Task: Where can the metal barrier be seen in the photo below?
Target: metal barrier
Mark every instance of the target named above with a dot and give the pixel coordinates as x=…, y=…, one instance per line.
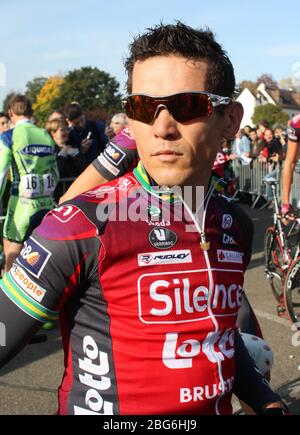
x=250, y=180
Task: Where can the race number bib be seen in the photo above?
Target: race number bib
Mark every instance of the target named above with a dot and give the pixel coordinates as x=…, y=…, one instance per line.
x=30, y=186
x=33, y=185
x=49, y=185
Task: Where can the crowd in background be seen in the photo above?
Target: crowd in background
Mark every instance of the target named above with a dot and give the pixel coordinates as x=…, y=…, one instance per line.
x=78, y=140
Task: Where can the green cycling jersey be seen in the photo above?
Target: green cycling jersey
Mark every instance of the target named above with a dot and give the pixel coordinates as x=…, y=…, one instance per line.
x=29, y=152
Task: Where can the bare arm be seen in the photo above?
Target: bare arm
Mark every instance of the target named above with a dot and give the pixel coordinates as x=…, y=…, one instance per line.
x=289, y=166
x=87, y=180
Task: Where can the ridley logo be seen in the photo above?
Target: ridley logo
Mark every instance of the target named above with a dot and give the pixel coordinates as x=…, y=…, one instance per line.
x=171, y=257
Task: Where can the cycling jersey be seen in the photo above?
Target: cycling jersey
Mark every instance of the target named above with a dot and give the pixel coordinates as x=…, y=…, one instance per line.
x=293, y=129
x=29, y=153
x=148, y=310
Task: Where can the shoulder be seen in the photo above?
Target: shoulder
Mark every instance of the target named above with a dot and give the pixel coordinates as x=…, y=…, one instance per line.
x=244, y=222
x=6, y=138
x=294, y=129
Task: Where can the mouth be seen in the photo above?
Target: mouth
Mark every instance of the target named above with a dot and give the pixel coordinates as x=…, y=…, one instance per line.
x=166, y=153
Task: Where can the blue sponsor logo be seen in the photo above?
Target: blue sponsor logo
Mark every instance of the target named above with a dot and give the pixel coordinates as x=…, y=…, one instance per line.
x=33, y=257
x=38, y=150
x=114, y=154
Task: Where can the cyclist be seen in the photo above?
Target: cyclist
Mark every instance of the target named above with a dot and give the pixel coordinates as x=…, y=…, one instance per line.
x=149, y=309
x=29, y=153
x=292, y=156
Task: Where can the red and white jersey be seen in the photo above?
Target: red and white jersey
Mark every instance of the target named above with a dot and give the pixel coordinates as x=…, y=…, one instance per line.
x=148, y=317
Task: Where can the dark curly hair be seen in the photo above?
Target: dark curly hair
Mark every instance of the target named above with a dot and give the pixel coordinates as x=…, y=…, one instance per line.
x=180, y=39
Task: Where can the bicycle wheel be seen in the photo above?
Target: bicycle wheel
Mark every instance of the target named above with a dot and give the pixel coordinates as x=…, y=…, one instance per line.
x=274, y=262
x=292, y=291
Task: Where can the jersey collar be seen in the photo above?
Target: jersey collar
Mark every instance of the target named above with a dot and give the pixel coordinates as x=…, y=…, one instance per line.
x=163, y=192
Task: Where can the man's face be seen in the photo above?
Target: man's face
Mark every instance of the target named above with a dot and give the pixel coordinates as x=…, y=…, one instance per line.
x=4, y=124
x=175, y=153
x=78, y=123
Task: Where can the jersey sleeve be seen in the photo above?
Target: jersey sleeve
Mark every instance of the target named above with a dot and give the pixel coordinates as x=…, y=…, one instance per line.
x=5, y=159
x=293, y=129
x=60, y=257
x=120, y=156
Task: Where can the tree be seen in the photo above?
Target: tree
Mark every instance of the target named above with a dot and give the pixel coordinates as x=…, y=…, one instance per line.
x=33, y=88
x=47, y=98
x=247, y=84
x=290, y=83
x=94, y=89
x=268, y=80
x=271, y=113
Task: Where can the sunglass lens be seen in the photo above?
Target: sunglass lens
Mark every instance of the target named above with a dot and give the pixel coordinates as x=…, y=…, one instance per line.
x=141, y=108
x=191, y=106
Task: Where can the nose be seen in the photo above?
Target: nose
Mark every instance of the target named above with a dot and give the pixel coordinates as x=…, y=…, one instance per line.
x=165, y=126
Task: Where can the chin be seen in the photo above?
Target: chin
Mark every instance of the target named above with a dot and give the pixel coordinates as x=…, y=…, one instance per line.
x=171, y=179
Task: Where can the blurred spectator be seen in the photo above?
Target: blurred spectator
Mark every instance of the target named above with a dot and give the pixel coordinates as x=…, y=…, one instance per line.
x=70, y=161
x=247, y=130
x=118, y=122
x=55, y=115
x=4, y=122
x=256, y=144
x=262, y=127
x=241, y=148
x=281, y=135
x=87, y=136
x=272, y=151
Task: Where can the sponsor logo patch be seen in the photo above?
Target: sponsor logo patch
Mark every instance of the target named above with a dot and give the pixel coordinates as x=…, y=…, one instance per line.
x=227, y=221
x=114, y=154
x=33, y=257
x=228, y=239
x=230, y=257
x=38, y=150
x=179, y=297
x=162, y=223
x=103, y=161
x=162, y=238
x=65, y=213
x=170, y=257
x=25, y=283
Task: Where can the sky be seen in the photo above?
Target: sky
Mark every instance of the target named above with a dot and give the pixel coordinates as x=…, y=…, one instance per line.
x=48, y=38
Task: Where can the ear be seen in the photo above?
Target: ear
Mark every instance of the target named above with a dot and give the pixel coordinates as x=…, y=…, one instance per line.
x=130, y=125
x=233, y=118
